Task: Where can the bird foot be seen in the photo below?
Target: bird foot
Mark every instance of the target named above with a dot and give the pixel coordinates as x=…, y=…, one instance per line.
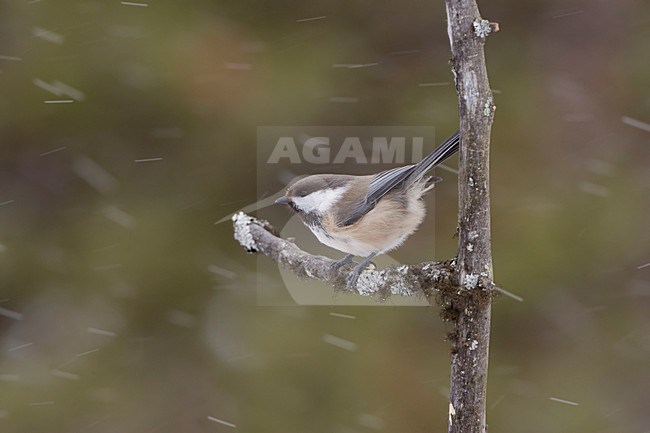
x=342, y=262
x=353, y=277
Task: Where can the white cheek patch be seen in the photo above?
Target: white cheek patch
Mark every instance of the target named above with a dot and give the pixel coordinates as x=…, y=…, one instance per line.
x=319, y=202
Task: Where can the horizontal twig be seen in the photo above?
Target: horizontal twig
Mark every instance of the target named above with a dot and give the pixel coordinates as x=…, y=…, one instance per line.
x=258, y=236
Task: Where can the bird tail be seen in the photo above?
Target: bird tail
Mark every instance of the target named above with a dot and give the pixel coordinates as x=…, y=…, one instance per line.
x=442, y=152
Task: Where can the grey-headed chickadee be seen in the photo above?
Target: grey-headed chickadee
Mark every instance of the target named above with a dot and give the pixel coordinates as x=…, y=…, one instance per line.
x=366, y=215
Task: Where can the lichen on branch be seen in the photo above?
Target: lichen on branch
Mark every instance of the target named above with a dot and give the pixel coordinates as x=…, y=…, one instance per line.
x=423, y=279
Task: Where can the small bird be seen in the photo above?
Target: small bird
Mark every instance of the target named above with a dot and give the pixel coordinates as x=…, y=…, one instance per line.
x=366, y=215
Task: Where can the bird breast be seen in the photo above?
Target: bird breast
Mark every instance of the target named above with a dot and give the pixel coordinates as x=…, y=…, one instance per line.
x=384, y=228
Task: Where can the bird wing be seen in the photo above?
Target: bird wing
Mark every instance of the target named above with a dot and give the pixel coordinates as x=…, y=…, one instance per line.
x=386, y=181
x=380, y=185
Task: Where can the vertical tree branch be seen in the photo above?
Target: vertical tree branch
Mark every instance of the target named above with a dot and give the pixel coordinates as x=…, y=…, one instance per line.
x=472, y=303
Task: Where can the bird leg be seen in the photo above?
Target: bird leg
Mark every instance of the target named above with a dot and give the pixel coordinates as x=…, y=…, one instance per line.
x=342, y=262
x=356, y=272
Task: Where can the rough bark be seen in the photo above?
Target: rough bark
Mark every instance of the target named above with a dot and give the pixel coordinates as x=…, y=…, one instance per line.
x=469, y=309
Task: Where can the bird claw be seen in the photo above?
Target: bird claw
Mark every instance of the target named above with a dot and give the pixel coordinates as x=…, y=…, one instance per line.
x=342, y=262
x=353, y=278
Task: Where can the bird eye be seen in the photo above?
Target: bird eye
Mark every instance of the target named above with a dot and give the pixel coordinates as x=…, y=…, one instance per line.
x=302, y=194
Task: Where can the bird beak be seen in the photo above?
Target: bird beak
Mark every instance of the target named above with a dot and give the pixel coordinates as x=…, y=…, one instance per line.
x=282, y=200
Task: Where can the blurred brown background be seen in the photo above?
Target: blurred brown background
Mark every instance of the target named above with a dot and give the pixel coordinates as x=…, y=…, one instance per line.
x=126, y=131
